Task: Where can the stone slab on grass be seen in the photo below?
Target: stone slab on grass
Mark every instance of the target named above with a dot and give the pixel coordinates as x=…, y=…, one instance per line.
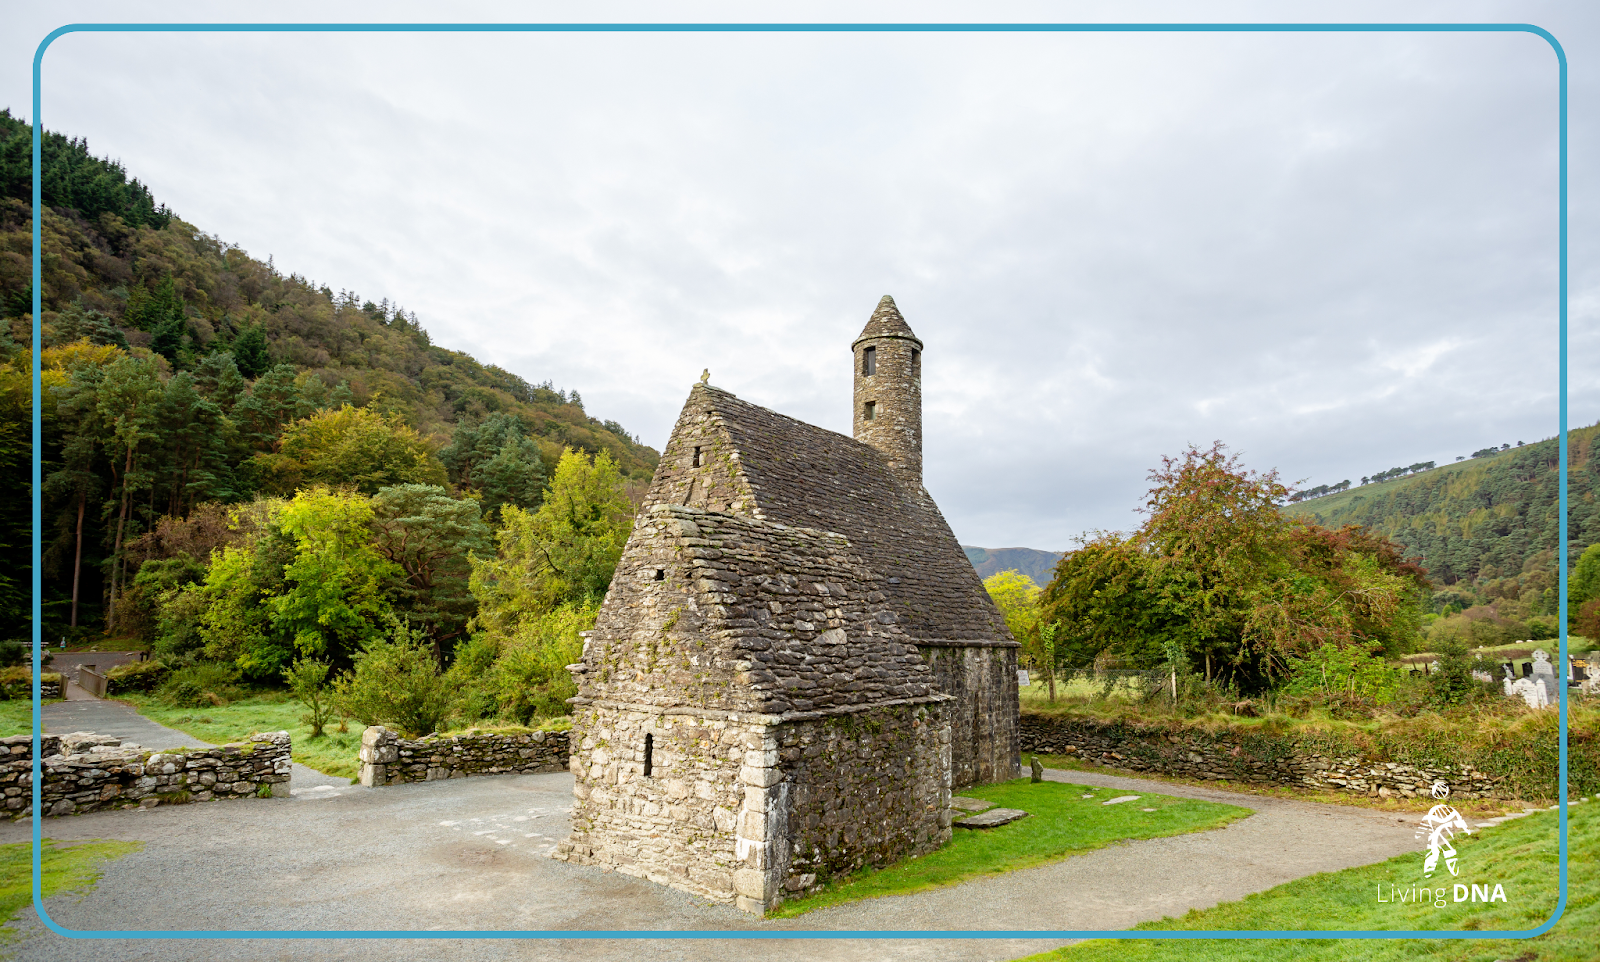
x=1121, y=798
x=970, y=804
x=991, y=818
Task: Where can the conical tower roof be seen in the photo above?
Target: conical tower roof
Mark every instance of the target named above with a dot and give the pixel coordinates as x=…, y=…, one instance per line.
x=886, y=322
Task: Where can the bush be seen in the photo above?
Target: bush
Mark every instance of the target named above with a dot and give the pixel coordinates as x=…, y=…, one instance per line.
x=397, y=683
x=17, y=681
x=308, y=680
x=521, y=674
x=207, y=683
x=143, y=676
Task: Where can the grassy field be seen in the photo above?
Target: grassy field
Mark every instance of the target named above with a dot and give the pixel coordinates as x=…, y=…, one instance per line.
x=1519, y=855
x=65, y=867
x=332, y=754
x=16, y=716
x=1063, y=820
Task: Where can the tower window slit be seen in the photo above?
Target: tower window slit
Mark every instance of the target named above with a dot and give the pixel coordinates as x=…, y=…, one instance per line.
x=869, y=410
x=696, y=462
x=649, y=750
x=916, y=362
x=661, y=575
x=869, y=361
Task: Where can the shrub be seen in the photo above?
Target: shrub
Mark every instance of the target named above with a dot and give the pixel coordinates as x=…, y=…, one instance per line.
x=145, y=676
x=396, y=682
x=207, y=683
x=308, y=680
x=17, y=681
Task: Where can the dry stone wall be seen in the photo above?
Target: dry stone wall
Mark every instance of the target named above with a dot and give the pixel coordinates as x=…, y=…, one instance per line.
x=85, y=772
x=749, y=809
x=388, y=759
x=1265, y=759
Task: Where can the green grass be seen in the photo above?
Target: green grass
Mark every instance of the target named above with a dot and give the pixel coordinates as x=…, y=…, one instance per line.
x=1061, y=822
x=1520, y=855
x=332, y=754
x=16, y=716
x=65, y=867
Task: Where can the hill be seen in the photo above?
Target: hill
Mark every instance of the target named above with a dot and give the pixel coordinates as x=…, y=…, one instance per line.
x=1473, y=522
x=1038, y=565
x=219, y=353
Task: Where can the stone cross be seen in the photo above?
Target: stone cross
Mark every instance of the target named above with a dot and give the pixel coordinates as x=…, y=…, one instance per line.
x=1544, y=674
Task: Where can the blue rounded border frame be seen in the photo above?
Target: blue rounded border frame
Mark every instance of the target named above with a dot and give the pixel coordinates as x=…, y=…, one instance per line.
x=38, y=129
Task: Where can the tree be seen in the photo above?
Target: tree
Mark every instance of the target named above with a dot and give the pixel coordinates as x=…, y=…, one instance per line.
x=1017, y=597
x=514, y=476
x=1584, y=581
x=250, y=351
x=565, y=552
x=334, y=597
x=355, y=447
x=1217, y=575
x=128, y=399
x=430, y=537
x=397, y=682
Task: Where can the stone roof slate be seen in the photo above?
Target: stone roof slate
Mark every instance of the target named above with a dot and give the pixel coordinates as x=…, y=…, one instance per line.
x=805, y=476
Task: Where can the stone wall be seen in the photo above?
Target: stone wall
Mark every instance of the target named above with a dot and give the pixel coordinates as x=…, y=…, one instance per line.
x=857, y=791
x=749, y=809
x=84, y=772
x=983, y=722
x=677, y=824
x=1253, y=757
x=388, y=759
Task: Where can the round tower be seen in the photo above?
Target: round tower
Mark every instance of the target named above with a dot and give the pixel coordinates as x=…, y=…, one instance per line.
x=888, y=390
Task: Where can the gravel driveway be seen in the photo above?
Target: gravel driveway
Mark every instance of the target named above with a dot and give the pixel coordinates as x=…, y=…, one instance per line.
x=470, y=854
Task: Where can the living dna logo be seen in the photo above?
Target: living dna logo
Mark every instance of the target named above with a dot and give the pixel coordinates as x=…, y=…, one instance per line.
x=1439, y=826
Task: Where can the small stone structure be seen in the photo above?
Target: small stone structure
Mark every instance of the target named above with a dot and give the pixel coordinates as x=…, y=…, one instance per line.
x=85, y=772
x=1159, y=753
x=388, y=759
x=796, y=661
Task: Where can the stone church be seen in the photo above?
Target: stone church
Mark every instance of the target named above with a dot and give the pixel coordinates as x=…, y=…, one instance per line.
x=796, y=662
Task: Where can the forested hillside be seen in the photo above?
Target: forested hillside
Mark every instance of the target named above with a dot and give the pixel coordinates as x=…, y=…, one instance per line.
x=181, y=372
x=1480, y=525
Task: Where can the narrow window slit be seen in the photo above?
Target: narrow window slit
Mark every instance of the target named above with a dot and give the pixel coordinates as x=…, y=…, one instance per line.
x=649, y=750
x=869, y=361
x=869, y=411
x=696, y=462
x=661, y=575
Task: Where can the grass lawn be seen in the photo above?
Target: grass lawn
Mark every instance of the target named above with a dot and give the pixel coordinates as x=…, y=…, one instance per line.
x=332, y=754
x=1063, y=820
x=1519, y=855
x=16, y=716
x=66, y=867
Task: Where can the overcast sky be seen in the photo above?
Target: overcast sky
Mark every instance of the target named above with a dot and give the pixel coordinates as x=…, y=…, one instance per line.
x=1336, y=253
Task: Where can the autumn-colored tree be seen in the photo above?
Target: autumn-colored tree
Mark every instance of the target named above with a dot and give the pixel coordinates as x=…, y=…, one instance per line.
x=353, y=447
x=1218, y=577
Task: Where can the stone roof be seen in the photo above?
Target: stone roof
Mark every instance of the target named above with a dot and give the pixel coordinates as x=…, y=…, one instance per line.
x=761, y=464
x=886, y=321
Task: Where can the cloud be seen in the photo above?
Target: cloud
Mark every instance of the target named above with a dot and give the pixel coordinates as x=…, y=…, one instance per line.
x=1332, y=252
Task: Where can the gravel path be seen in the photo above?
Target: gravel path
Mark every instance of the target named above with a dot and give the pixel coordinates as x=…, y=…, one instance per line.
x=471, y=854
